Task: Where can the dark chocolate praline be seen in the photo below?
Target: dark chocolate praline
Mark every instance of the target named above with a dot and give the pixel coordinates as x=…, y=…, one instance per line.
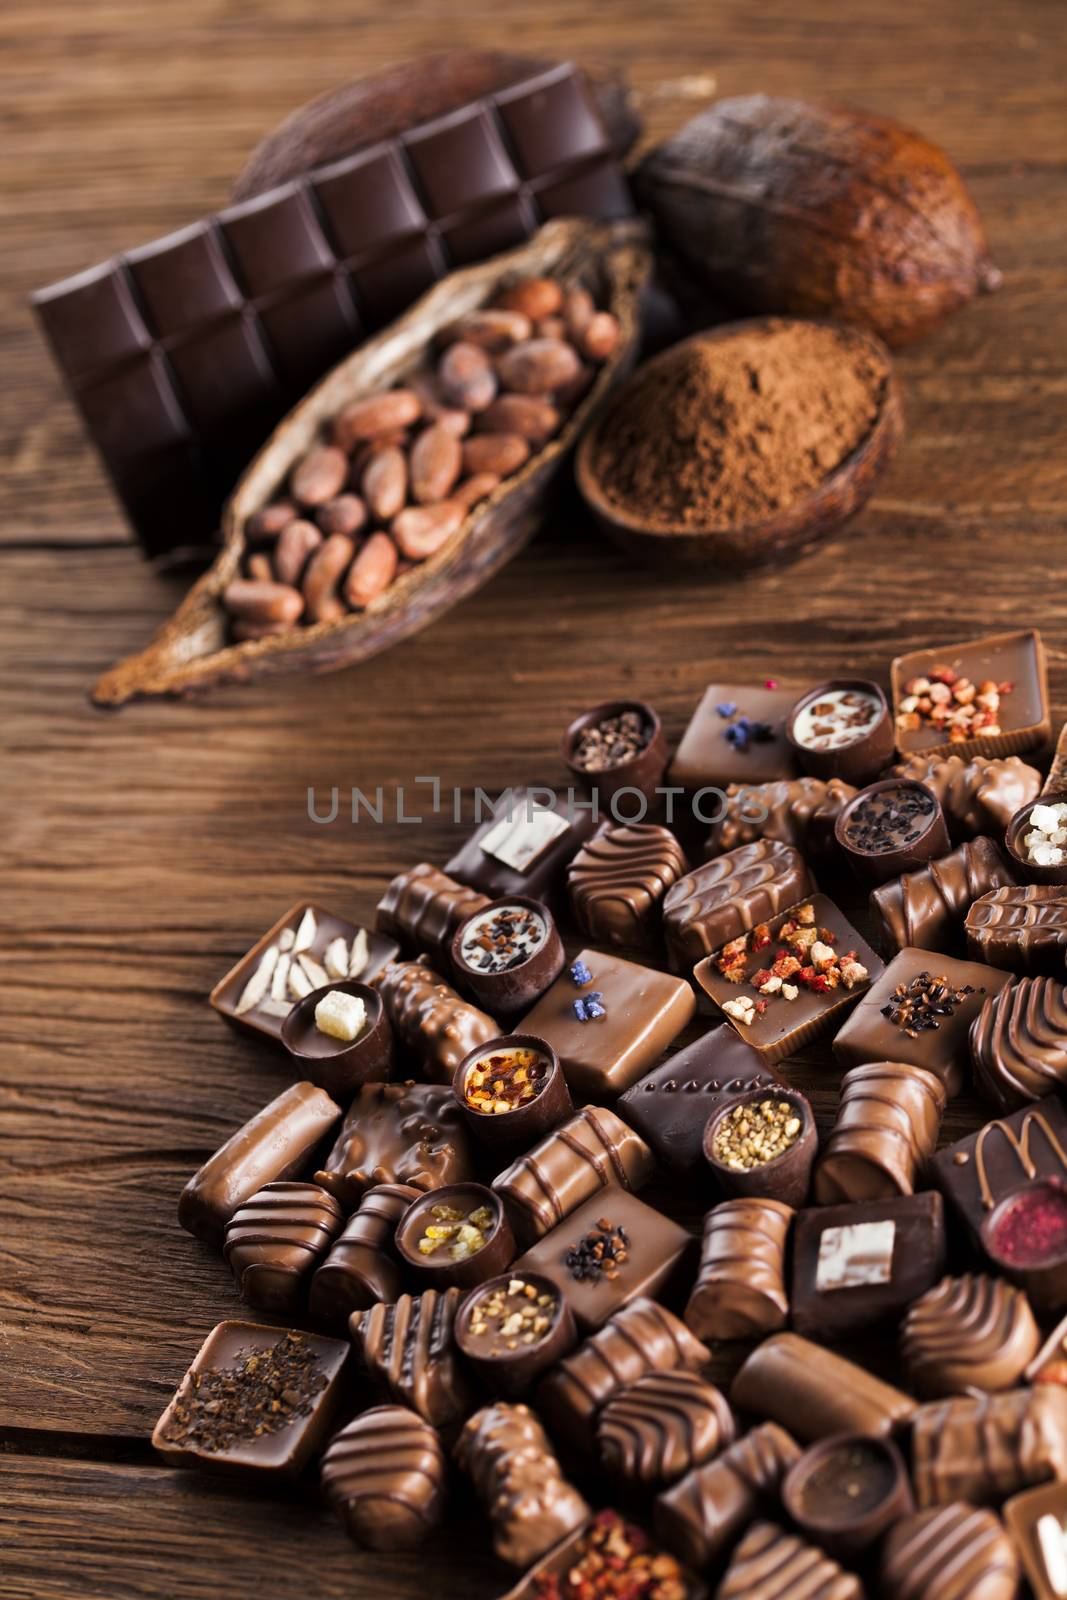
x=520, y=1128
x=1031, y=871
x=642, y=771
x=1025, y=1237
x=883, y=838
x=429, y=1272
x=845, y=1491
x=511, y=1372
x=507, y=990
x=786, y=1177
x=335, y=1065
x=863, y=757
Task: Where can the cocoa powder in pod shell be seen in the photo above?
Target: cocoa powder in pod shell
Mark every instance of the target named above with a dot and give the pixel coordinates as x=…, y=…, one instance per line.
x=786, y=206
x=193, y=651
x=384, y=104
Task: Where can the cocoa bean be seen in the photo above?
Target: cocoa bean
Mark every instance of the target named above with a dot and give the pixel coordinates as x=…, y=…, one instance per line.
x=268, y=521
x=258, y=630
x=499, y=453
x=295, y=544
x=578, y=310
x=320, y=476
x=529, y=415
x=346, y=514
x=258, y=567
x=534, y=297
x=325, y=571
x=466, y=378
x=396, y=438
x=551, y=328
x=421, y=530
x=372, y=571
x=599, y=337
x=377, y=414
x=569, y=394
x=435, y=461
x=385, y=483
x=474, y=488
x=489, y=330
x=434, y=409
x=252, y=601
x=538, y=367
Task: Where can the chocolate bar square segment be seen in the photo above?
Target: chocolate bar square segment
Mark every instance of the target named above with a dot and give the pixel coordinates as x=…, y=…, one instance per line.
x=977, y=1172
x=276, y=240
x=312, y=330
x=777, y=1018
x=855, y=1266
x=460, y=160
x=225, y=1415
x=613, y=1249
x=135, y=412
x=92, y=320
x=735, y=735
x=386, y=285
x=1012, y=663
x=551, y=121
x=304, y=947
x=1037, y=1521
x=368, y=201
x=599, y=191
x=523, y=847
x=185, y=279
x=729, y=896
x=670, y=1106
x=499, y=227
x=919, y=1011
x=608, y=1020
x=227, y=378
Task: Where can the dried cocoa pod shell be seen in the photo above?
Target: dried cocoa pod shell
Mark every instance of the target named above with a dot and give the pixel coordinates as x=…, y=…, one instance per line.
x=791, y=207
x=194, y=650
x=386, y=103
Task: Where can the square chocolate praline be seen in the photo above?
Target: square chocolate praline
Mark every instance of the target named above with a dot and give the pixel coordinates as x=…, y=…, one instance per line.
x=977, y=1172
x=1015, y=658
x=644, y=1011
x=671, y=1105
x=868, y=1035
x=656, y=1248
x=284, y=1453
x=706, y=757
x=840, y=1283
x=1022, y=1514
x=786, y=1025
x=226, y=994
x=524, y=847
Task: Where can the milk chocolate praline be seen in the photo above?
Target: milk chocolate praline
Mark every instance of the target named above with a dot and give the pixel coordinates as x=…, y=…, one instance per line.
x=506, y=992
x=786, y=1177
x=1013, y=843
x=493, y=1257
x=869, y=1480
x=335, y=1066
x=511, y=1372
x=863, y=757
x=516, y=1129
x=879, y=866
x=642, y=771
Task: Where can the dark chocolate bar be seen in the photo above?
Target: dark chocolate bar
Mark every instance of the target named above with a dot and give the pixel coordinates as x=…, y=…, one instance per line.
x=182, y=355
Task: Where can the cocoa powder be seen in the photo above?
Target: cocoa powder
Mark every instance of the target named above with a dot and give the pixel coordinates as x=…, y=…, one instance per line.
x=732, y=430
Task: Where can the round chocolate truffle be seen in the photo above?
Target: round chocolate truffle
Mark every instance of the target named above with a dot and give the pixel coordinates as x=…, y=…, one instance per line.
x=384, y=1475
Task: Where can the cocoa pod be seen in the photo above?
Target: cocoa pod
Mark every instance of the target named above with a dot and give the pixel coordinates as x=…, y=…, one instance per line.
x=529, y=415
x=386, y=103
x=539, y=366
x=251, y=601
x=346, y=514
x=534, y=297
x=372, y=571
x=259, y=567
x=421, y=530
x=599, y=337
x=498, y=453
x=268, y=521
x=489, y=330
x=474, y=488
x=785, y=206
x=296, y=543
x=435, y=462
x=320, y=476
x=325, y=571
x=385, y=483
x=466, y=378
x=377, y=414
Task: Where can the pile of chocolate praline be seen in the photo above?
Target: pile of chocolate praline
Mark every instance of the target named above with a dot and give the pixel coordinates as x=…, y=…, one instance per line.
x=448, y=1199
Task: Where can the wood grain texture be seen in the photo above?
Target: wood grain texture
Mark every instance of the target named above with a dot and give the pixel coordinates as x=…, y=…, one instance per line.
x=141, y=854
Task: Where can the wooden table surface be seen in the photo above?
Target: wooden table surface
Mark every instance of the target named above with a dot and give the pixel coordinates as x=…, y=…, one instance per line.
x=143, y=852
